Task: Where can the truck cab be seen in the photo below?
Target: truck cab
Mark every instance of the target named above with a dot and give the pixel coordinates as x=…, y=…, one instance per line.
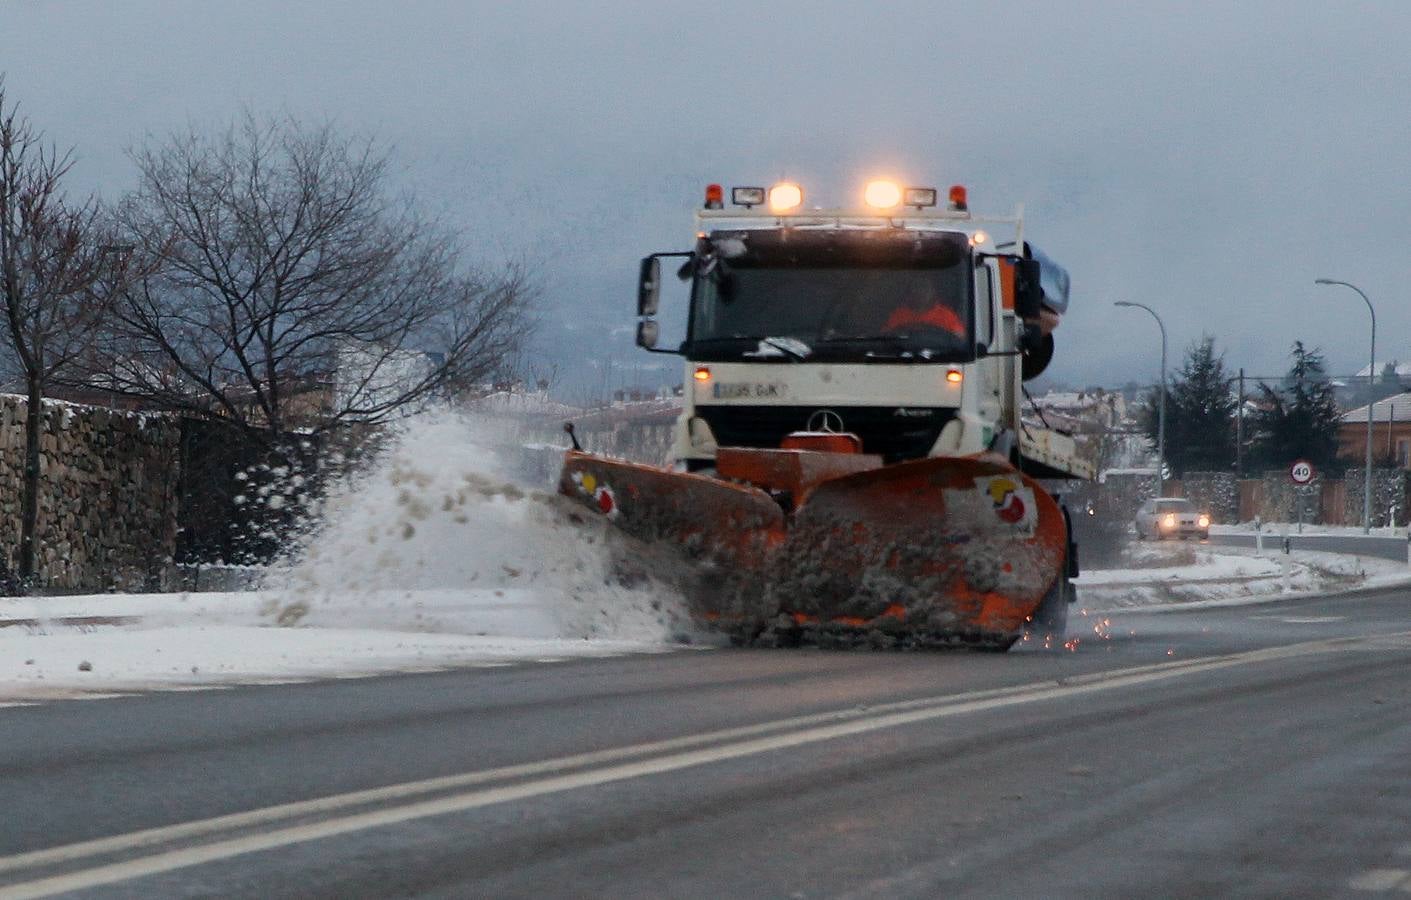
x=904, y=326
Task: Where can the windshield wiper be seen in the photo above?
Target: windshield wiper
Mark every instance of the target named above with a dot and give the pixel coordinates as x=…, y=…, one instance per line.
x=794, y=348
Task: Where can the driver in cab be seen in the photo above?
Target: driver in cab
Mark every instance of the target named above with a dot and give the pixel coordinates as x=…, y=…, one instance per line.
x=923, y=308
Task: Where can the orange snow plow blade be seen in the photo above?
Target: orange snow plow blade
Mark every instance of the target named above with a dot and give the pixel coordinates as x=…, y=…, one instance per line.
x=941, y=550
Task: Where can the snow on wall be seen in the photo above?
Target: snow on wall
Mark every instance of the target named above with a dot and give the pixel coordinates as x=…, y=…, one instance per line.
x=1390, y=488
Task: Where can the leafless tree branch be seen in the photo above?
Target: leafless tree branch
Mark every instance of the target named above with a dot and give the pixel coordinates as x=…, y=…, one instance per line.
x=289, y=290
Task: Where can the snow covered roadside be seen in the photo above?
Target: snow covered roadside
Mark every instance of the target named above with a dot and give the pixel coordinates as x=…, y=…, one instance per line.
x=434, y=560
x=1164, y=575
x=1276, y=530
x=186, y=640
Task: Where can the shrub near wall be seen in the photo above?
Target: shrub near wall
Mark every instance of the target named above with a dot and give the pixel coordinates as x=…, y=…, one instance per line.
x=107, y=501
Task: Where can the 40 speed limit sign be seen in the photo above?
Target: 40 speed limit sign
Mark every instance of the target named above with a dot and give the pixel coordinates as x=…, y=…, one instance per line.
x=1301, y=471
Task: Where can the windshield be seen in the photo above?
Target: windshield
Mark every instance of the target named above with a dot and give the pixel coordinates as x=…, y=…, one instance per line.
x=1175, y=506
x=867, y=308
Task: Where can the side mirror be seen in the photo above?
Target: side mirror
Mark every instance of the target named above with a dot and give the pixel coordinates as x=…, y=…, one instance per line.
x=1028, y=293
x=649, y=289
x=647, y=334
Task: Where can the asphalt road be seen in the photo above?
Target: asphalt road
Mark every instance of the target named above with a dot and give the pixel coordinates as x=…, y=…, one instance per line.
x=1253, y=751
x=1383, y=546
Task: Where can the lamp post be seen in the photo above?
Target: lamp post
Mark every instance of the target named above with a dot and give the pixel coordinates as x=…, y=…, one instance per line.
x=1161, y=403
x=1371, y=373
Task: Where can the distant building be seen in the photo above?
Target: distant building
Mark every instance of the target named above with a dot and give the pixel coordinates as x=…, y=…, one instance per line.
x=1391, y=432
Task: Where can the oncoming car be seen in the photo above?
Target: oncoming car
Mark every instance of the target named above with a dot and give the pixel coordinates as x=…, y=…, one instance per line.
x=1171, y=517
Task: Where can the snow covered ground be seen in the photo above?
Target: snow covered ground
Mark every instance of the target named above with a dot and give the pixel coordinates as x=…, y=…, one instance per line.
x=1277, y=529
x=1169, y=574
x=433, y=560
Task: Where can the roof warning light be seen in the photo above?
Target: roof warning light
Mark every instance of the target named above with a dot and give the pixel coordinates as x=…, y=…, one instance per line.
x=785, y=196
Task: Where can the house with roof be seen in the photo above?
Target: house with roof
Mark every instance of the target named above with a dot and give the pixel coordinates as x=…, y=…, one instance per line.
x=1391, y=432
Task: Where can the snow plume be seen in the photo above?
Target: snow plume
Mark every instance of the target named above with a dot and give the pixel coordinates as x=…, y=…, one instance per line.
x=438, y=537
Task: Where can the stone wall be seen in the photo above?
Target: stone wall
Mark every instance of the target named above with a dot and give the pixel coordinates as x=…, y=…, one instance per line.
x=1389, y=488
x=1280, y=500
x=107, y=502
x=1217, y=492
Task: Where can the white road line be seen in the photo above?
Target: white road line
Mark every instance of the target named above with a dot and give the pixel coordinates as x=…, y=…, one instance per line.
x=1379, y=880
x=731, y=744
x=272, y=814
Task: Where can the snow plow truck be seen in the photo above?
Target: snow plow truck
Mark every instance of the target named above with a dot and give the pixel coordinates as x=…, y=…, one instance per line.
x=851, y=462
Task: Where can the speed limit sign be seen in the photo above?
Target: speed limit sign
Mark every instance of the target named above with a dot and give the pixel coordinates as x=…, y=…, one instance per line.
x=1301, y=471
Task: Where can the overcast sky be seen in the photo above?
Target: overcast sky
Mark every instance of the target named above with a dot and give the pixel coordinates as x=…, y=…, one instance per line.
x=1209, y=160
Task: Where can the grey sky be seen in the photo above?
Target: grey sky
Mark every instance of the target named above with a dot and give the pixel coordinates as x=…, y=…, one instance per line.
x=1209, y=160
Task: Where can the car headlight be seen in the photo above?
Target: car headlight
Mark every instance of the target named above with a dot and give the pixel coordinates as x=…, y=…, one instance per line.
x=1204, y=521
x=1168, y=522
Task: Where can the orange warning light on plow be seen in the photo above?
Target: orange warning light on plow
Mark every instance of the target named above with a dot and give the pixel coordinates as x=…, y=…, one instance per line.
x=702, y=374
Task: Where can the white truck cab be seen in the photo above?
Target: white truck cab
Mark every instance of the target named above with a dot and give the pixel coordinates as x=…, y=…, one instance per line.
x=903, y=324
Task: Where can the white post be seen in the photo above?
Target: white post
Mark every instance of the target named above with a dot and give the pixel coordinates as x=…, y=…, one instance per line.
x=1287, y=587
x=1258, y=536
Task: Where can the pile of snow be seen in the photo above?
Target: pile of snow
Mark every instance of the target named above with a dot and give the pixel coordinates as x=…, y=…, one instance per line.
x=439, y=538
x=434, y=558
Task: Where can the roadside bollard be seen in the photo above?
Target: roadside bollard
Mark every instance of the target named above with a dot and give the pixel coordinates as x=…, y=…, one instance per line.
x=1258, y=536
x=1287, y=587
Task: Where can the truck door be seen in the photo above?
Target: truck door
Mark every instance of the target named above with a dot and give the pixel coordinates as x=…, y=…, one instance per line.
x=990, y=399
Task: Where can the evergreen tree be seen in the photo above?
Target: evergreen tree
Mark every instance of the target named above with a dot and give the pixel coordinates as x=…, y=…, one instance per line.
x=1200, y=413
x=1298, y=420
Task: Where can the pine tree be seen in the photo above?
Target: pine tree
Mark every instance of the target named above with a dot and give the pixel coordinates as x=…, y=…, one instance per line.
x=1299, y=420
x=1200, y=411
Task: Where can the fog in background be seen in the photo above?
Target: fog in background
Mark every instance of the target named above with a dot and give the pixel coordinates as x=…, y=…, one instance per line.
x=1209, y=160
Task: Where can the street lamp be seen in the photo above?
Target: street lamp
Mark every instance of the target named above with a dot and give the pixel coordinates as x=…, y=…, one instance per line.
x=1371, y=373
x=1161, y=403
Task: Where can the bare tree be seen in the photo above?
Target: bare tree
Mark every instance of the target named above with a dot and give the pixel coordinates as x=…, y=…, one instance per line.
x=292, y=290
x=58, y=274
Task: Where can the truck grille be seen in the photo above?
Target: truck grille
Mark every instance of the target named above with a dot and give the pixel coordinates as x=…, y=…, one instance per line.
x=896, y=433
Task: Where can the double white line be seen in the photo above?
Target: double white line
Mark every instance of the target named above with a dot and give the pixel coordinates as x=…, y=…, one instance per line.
x=157, y=850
